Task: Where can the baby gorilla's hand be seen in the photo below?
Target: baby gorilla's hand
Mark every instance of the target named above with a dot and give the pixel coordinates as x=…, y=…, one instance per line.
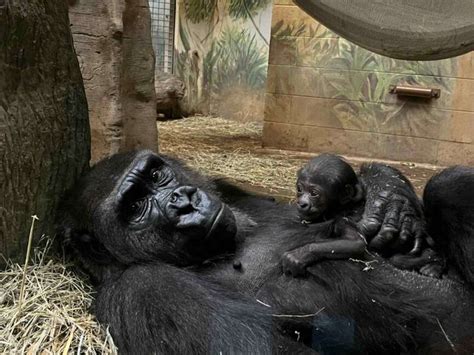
x=294, y=262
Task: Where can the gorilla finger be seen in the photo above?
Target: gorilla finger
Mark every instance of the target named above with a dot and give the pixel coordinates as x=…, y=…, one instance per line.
x=430, y=241
x=406, y=230
x=369, y=226
x=419, y=233
x=382, y=239
x=373, y=215
x=417, y=245
x=392, y=216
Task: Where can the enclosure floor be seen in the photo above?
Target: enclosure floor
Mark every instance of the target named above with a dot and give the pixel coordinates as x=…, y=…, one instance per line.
x=233, y=149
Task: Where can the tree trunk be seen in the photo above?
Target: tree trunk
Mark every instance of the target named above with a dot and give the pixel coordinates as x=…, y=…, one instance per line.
x=44, y=130
x=113, y=43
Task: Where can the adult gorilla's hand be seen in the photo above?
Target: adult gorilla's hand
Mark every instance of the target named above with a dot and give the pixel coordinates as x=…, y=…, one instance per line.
x=393, y=216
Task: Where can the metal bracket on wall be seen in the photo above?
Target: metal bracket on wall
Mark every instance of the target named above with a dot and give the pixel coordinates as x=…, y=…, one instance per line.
x=414, y=91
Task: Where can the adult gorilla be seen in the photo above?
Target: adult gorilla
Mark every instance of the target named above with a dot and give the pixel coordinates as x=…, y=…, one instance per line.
x=180, y=270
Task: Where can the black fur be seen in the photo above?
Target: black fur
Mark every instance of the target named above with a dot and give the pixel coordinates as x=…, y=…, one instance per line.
x=449, y=206
x=157, y=298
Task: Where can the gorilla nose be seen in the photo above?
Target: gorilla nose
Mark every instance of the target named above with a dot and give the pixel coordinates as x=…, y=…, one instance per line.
x=182, y=197
x=303, y=206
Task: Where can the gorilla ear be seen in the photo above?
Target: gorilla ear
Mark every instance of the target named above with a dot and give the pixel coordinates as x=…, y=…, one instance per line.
x=346, y=195
x=88, y=246
x=351, y=193
x=93, y=255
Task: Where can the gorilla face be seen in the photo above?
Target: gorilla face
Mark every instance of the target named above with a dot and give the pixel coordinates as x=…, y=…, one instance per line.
x=311, y=200
x=150, y=195
x=154, y=210
x=324, y=185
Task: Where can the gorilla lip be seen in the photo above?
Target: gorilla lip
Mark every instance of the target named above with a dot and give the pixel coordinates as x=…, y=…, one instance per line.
x=195, y=215
x=215, y=222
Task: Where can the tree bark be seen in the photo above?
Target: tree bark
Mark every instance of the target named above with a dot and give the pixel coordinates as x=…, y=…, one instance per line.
x=113, y=43
x=44, y=130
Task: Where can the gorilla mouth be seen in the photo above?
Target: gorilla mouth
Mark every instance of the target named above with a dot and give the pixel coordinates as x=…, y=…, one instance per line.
x=311, y=217
x=216, y=221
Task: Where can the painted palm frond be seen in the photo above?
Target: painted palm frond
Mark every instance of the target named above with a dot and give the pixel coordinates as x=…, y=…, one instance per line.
x=199, y=10
x=236, y=59
x=283, y=30
x=246, y=8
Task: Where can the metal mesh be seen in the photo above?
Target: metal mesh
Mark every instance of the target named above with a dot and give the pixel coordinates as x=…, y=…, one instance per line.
x=162, y=32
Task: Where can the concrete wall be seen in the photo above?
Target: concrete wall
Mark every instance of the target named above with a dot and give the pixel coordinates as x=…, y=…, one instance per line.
x=325, y=94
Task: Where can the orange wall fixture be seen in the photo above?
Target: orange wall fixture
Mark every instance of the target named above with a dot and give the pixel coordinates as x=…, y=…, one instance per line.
x=325, y=94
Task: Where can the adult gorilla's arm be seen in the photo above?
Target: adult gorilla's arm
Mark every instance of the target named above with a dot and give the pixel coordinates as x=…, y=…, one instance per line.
x=393, y=213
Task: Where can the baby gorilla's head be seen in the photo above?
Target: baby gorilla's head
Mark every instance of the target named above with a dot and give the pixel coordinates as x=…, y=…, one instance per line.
x=324, y=186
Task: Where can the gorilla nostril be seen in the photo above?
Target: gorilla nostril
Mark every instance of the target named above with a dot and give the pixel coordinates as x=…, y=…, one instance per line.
x=182, y=198
x=303, y=206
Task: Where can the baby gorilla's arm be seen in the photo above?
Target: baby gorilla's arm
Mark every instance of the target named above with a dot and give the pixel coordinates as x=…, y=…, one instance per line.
x=349, y=243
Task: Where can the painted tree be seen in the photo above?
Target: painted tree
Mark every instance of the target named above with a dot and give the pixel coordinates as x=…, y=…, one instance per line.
x=44, y=130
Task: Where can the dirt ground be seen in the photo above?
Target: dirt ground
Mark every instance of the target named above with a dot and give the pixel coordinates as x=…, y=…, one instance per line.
x=233, y=149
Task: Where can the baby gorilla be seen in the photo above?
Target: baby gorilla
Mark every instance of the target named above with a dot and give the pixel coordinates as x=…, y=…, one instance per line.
x=329, y=190
x=327, y=187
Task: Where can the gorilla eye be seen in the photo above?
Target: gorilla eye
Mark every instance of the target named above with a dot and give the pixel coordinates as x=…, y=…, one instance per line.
x=155, y=176
x=136, y=208
x=314, y=193
x=160, y=176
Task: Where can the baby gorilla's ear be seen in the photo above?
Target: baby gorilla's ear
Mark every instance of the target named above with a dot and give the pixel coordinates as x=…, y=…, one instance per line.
x=351, y=193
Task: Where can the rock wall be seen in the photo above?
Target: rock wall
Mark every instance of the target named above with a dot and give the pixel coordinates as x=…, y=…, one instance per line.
x=113, y=44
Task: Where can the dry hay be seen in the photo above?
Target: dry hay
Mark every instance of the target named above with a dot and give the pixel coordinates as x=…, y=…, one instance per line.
x=221, y=147
x=52, y=317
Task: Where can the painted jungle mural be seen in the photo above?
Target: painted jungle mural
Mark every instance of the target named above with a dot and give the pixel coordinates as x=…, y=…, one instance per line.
x=326, y=94
x=222, y=55
x=360, y=79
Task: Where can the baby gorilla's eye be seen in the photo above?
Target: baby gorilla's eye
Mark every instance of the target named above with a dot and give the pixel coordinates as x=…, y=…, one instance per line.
x=314, y=193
